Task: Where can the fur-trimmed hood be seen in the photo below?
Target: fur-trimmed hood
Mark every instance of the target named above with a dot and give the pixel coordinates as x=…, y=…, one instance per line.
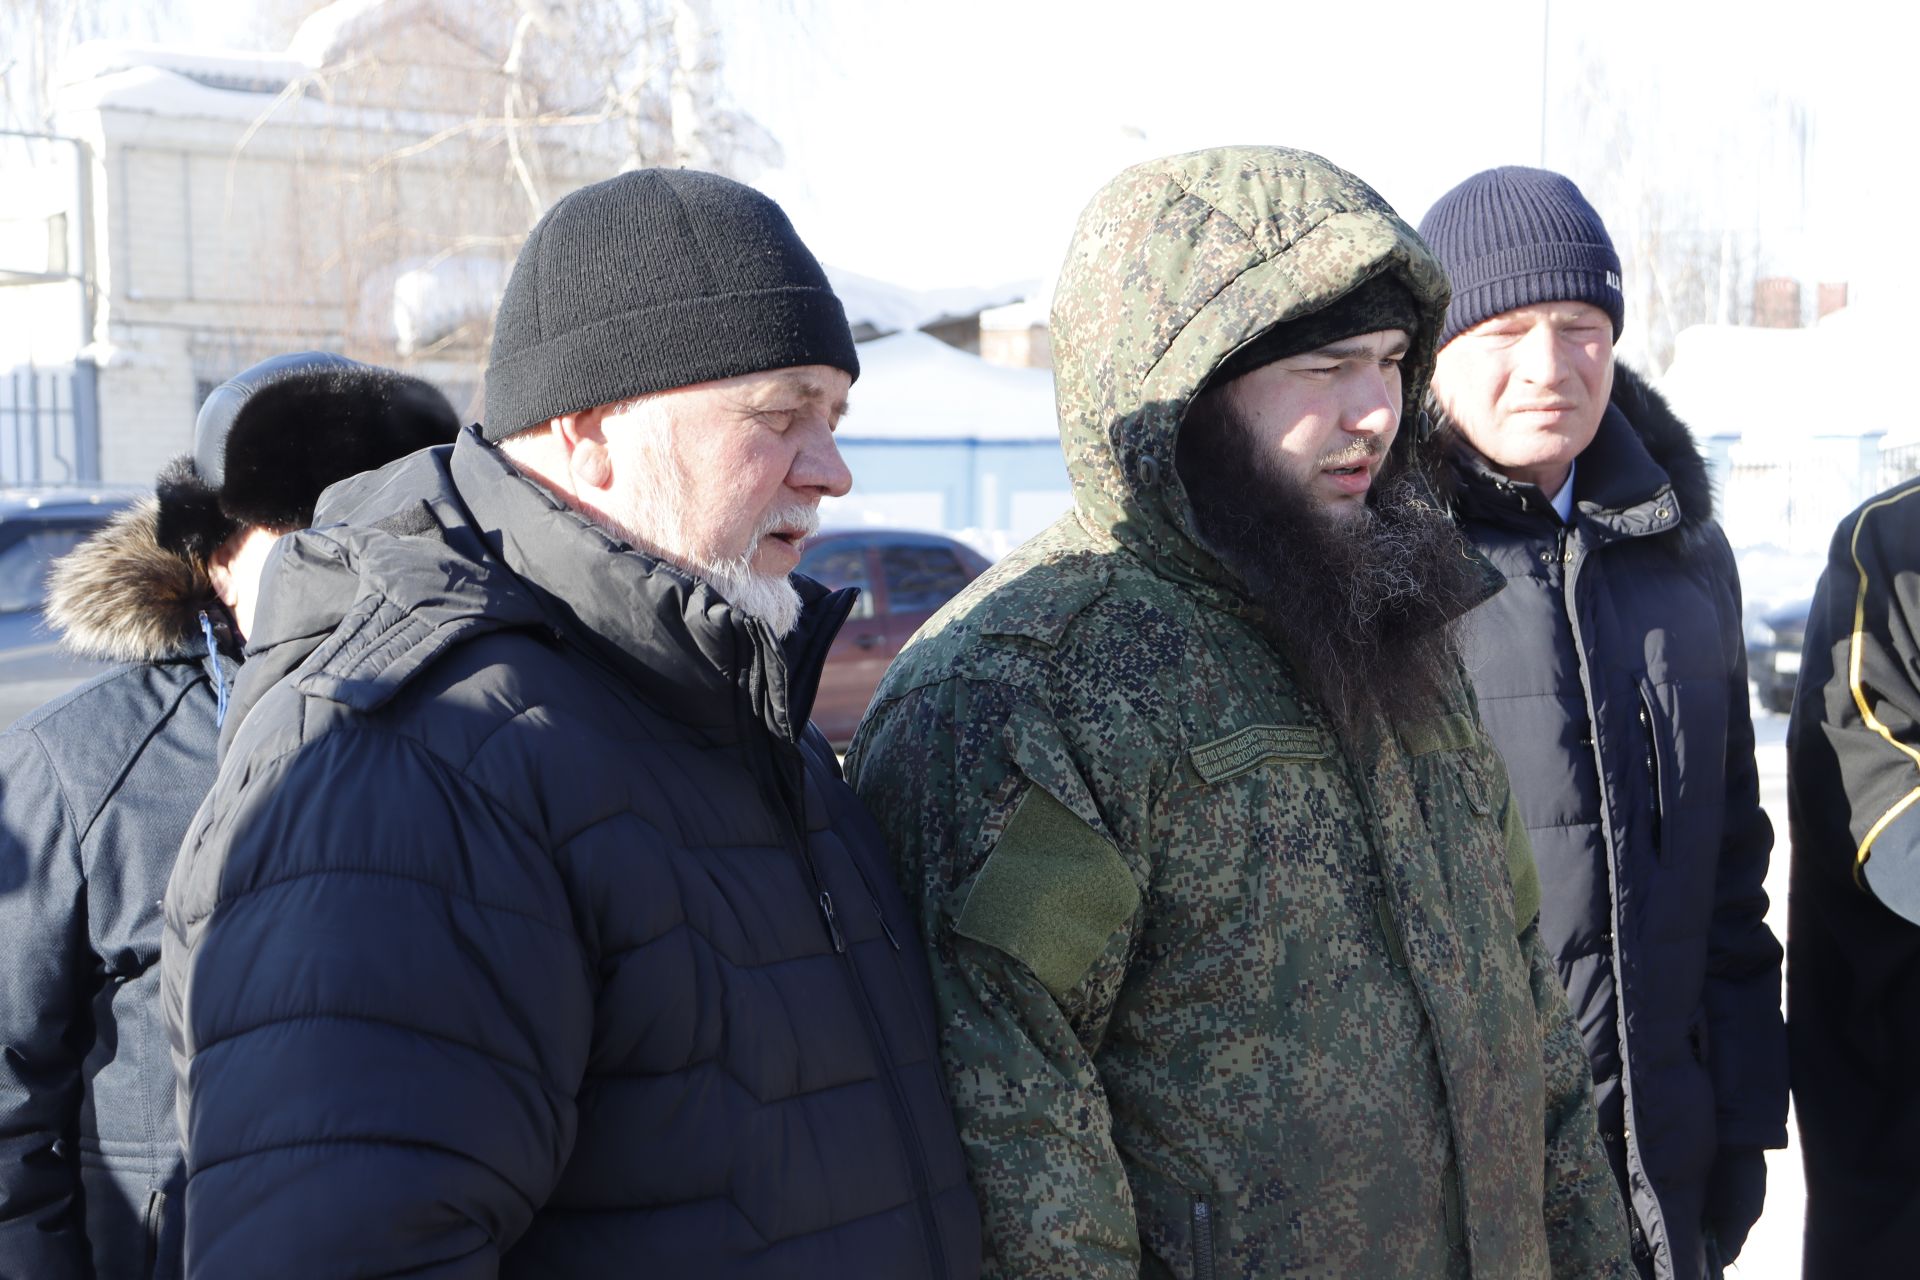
x=1664, y=444
x=122, y=597
x=1668, y=441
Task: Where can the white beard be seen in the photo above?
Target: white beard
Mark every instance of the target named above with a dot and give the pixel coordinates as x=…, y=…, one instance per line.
x=768, y=597
x=650, y=517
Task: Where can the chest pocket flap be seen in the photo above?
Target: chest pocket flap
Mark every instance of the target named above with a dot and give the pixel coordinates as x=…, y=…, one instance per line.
x=1054, y=889
x=1457, y=732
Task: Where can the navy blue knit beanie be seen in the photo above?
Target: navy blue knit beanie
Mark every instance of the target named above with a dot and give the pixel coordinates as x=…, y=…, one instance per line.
x=1514, y=236
x=656, y=279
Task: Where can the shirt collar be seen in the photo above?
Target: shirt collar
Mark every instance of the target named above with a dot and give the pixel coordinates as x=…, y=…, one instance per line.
x=1563, y=500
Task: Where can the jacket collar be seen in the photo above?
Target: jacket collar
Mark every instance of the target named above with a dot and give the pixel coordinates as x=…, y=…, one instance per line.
x=667, y=632
x=451, y=543
x=1641, y=476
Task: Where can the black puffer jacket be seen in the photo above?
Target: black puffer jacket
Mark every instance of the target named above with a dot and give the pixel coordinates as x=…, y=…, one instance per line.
x=1853, y=936
x=529, y=930
x=1612, y=675
x=96, y=790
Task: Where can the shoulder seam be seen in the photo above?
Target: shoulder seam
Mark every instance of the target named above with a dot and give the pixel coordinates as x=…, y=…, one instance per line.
x=66, y=806
x=146, y=739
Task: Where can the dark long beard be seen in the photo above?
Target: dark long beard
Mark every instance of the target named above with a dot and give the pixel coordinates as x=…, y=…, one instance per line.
x=1364, y=606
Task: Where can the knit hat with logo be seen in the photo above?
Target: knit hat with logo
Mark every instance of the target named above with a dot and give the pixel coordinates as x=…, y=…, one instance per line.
x=1514, y=236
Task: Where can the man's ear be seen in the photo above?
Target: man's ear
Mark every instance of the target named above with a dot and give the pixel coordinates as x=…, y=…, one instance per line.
x=220, y=569
x=582, y=440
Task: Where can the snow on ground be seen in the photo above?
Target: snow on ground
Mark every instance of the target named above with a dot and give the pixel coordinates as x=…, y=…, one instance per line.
x=892, y=308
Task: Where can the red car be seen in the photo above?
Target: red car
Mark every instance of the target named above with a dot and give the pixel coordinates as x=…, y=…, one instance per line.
x=903, y=576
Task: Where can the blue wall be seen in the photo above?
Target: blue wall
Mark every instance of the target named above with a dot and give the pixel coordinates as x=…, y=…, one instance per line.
x=977, y=478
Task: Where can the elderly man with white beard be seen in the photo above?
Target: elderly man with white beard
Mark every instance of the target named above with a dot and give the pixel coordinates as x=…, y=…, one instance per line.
x=529, y=928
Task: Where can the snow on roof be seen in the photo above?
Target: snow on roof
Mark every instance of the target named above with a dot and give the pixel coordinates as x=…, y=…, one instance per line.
x=158, y=91
x=434, y=297
x=149, y=87
x=890, y=308
x=230, y=69
x=915, y=387
x=329, y=34
x=236, y=84
x=1015, y=316
x=1775, y=386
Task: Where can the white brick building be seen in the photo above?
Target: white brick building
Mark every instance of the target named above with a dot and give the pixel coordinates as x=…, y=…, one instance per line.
x=199, y=211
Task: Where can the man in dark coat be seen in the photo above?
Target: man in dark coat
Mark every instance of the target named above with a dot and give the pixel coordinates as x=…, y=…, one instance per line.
x=1612, y=675
x=529, y=928
x=98, y=786
x=1853, y=937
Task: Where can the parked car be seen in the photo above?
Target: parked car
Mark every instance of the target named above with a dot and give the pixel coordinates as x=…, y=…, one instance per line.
x=36, y=527
x=1773, y=654
x=903, y=576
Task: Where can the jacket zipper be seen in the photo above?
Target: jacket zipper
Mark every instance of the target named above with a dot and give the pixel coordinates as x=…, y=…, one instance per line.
x=876, y=1038
x=1202, y=1239
x=874, y=899
x=903, y=1115
x=1570, y=600
x=768, y=764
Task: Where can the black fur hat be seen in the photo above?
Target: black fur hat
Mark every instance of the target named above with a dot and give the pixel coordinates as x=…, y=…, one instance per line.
x=270, y=440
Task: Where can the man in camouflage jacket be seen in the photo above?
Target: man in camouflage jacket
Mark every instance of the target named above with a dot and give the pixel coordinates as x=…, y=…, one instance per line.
x=1238, y=970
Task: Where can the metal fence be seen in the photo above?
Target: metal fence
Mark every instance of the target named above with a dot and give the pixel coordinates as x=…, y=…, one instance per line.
x=49, y=425
x=1899, y=464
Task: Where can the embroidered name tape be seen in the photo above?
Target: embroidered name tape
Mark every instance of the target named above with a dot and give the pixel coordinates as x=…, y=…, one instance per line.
x=1255, y=745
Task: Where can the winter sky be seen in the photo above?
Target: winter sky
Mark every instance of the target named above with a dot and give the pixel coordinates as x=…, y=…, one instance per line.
x=938, y=144
x=954, y=143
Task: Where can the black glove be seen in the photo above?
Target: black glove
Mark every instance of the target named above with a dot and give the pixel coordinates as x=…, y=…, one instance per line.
x=1736, y=1191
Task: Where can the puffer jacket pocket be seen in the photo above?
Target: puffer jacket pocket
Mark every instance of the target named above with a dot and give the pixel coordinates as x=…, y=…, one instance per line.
x=1656, y=750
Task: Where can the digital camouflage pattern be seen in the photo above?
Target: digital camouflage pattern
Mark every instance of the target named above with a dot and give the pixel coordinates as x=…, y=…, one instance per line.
x=1222, y=994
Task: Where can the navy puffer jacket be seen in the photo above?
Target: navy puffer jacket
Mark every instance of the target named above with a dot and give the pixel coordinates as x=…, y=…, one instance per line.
x=1611, y=673
x=96, y=789
x=530, y=931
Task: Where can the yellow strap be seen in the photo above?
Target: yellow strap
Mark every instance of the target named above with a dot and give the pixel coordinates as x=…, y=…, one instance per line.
x=1854, y=649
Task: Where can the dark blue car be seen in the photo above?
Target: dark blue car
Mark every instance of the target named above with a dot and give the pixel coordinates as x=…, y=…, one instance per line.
x=1773, y=654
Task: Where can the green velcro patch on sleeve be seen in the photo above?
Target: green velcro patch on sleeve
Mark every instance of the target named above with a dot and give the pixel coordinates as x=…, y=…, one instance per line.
x=1452, y=732
x=1051, y=894
x=1520, y=868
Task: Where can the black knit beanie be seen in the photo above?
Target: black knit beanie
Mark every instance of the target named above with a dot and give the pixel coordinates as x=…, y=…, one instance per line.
x=656, y=279
x=1381, y=303
x=1515, y=236
x=269, y=440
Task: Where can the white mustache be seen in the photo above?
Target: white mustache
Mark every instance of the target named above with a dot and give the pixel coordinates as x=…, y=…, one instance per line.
x=800, y=518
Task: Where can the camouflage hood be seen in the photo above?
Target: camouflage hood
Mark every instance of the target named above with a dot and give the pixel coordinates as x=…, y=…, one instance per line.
x=1175, y=265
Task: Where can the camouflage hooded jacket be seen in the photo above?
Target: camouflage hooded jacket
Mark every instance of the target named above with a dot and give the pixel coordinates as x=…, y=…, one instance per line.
x=1221, y=992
